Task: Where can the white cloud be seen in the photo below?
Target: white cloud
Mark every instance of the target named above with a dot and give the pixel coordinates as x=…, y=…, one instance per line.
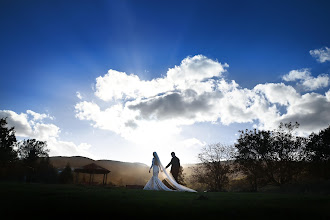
x=236, y=106
x=45, y=131
x=34, y=128
x=193, y=73
x=19, y=121
x=294, y=75
x=39, y=117
x=320, y=81
x=306, y=80
x=277, y=93
x=322, y=55
x=196, y=68
x=311, y=110
x=154, y=111
x=68, y=148
x=87, y=111
x=183, y=96
x=116, y=118
x=118, y=85
x=196, y=73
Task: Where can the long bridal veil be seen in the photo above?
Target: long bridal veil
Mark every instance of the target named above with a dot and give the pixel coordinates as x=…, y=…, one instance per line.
x=171, y=180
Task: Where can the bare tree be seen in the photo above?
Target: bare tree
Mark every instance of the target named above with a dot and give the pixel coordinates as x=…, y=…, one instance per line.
x=215, y=167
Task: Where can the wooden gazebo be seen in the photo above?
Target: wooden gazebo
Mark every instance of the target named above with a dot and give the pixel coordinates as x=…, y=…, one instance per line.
x=92, y=169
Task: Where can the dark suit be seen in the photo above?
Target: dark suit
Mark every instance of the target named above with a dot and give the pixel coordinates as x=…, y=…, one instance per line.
x=175, y=162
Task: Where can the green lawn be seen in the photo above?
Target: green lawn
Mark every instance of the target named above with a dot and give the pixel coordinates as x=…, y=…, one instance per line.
x=43, y=200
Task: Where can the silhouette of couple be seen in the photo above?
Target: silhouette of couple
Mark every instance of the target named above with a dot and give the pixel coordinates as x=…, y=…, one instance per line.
x=156, y=184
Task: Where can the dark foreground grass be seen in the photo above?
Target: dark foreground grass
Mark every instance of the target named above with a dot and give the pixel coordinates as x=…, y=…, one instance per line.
x=43, y=200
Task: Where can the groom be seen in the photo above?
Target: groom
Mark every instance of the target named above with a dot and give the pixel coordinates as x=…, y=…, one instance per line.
x=175, y=162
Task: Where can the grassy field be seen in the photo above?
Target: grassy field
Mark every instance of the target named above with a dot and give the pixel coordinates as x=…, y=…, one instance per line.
x=43, y=200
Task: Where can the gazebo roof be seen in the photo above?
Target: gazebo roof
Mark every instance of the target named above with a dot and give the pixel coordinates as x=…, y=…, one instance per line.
x=92, y=169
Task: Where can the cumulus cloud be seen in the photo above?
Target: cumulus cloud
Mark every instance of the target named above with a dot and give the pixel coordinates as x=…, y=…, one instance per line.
x=306, y=80
x=196, y=91
x=320, y=81
x=196, y=73
x=39, y=117
x=193, y=73
x=118, y=85
x=294, y=75
x=19, y=121
x=277, y=93
x=186, y=104
x=45, y=131
x=31, y=125
x=181, y=97
x=117, y=118
x=322, y=55
x=311, y=110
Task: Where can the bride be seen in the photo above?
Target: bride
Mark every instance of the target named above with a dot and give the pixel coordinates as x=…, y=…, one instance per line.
x=156, y=184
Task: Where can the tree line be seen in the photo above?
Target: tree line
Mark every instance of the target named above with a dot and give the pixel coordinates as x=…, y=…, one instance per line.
x=262, y=157
x=27, y=160
x=258, y=158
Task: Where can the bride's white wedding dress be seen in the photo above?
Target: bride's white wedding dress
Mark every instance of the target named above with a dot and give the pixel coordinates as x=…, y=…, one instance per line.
x=156, y=184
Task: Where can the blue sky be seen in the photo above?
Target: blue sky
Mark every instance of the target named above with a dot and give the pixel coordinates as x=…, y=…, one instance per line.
x=51, y=51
